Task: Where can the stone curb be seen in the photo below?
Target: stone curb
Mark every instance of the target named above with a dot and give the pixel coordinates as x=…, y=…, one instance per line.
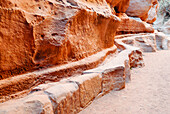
x=9, y=87
x=73, y=94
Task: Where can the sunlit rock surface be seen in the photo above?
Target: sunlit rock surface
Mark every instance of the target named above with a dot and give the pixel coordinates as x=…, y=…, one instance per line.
x=38, y=34
x=144, y=9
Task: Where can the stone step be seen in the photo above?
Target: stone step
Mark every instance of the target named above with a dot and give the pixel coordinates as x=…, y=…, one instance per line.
x=72, y=94
x=22, y=84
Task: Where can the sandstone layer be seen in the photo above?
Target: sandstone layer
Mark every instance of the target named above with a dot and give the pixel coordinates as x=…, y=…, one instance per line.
x=130, y=25
x=72, y=94
x=60, y=55
x=40, y=34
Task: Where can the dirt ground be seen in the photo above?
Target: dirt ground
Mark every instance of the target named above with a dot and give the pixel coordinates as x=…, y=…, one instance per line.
x=147, y=93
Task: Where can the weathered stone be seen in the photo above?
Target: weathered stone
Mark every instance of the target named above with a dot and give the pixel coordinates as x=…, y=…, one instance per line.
x=136, y=59
x=8, y=87
x=113, y=79
x=162, y=41
x=134, y=53
x=146, y=42
x=165, y=28
x=127, y=71
x=122, y=6
x=152, y=14
x=90, y=85
x=52, y=32
x=144, y=9
x=130, y=25
x=118, y=5
x=36, y=103
x=65, y=98
x=16, y=43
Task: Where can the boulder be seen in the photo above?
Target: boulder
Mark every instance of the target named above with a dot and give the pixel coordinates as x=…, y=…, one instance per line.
x=152, y=14
x=122, y=6
x=132, y=25
x=144, y=9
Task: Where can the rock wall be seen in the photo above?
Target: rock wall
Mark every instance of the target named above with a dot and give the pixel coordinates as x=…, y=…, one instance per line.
x=70, y=50
x=132, y=25
x=38, y=34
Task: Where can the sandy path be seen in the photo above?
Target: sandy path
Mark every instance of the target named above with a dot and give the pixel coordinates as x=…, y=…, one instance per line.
x=147, y=93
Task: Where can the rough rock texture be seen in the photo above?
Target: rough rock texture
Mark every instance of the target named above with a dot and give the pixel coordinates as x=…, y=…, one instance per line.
x=165, y=28
x=144, y=9
x=163, y=13
x=36, y=103
x=127, y=71
x=136, y=59
x=74, y=93
x=16, y=42
x=89, y=87
x=117, y=69
x=65, y=97
x=13, y=87
x=118, y=6
x=152, y=14
x=146, y=42
x=162, y=41
x=113, y=79
x=39, y=34
x=122, y=6
x=132, y=25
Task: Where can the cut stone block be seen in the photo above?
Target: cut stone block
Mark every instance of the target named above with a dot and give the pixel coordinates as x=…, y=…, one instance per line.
x=64, y=97
x=113, y=79
x=90, y=85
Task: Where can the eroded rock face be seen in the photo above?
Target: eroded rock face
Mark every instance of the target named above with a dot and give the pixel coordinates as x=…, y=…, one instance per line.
x=38, y=34
x=144, y=9
x=35, y=103
x=130, y=25
x=16, y=42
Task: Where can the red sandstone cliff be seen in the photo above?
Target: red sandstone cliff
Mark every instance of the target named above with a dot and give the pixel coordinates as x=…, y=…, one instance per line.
x=38, y=33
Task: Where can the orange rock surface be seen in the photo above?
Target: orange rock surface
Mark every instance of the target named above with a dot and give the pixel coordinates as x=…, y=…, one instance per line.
x=44, y=41
x=130, y=25
x=36, y=34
